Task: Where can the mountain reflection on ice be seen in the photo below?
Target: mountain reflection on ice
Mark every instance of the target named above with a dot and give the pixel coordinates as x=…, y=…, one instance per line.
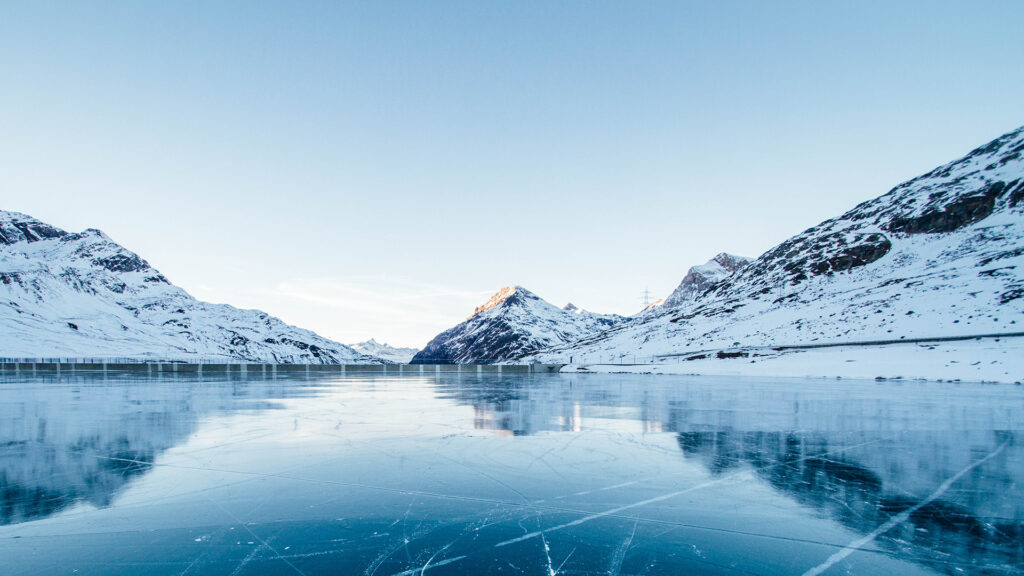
x=81, y=438
x=553, y=474
x=775, y=431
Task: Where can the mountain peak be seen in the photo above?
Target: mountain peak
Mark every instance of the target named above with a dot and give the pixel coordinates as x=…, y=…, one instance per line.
x=386, y=351
x=730, y=261
x=700, y=278
x=17, y=227
x=522, y=322
x=501, y=296
x=12, y=216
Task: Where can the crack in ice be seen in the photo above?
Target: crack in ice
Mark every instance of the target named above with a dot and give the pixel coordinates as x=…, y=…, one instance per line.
x=663, y=497
x=901, y=517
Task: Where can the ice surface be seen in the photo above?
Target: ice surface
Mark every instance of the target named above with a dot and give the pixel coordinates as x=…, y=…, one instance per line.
x=531, y=474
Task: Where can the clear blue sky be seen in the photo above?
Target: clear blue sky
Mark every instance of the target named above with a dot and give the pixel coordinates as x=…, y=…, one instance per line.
x=377, y=169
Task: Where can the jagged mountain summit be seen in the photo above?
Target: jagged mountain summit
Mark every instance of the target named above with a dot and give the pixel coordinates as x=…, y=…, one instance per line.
x=512, y=323
x=941, y=255
x=83, y=295
x=699, y=278
x=385, y=351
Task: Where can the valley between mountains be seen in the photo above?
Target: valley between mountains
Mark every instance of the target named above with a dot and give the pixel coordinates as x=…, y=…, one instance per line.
x=924, y=281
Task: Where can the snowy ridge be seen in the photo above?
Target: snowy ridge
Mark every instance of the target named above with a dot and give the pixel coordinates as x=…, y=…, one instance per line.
x=385, y=351
x=499, y=297
x=84, y=295
x=512, y=323
x=700, y=278
x=940, y=255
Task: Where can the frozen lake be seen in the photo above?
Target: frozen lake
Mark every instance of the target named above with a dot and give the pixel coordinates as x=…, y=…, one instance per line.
x=524, y=474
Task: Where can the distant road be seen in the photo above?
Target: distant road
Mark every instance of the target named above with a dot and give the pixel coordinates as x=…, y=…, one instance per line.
x=780, y=348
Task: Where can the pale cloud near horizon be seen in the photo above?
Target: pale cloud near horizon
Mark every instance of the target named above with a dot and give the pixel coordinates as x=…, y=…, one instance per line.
x=399, y=311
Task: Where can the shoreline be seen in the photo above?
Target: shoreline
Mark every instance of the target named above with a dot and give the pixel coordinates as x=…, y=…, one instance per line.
x=958, y=361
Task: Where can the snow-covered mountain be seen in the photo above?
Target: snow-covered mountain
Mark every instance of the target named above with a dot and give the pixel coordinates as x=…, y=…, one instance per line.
x=512, y=323
x=84, y=295
x=699, y=278
x=938, y=256
x=385, y=351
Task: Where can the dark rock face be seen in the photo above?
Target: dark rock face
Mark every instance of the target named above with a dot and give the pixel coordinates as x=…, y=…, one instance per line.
x=869, y=250
x=498, y=340
x=811, y=254
x=321, y=355
x=433, y=353
x=18, y=229
x=501, y=341
x=1011, y=295
x=126, y=262
x=962, y=211
x=1016, y=194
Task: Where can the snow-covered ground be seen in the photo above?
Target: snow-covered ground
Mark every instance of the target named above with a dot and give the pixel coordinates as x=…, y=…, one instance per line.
x=984, y=359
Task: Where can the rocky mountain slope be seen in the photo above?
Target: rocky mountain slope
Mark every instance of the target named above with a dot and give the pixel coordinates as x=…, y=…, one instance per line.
x=512, y=323
x=84, y=295
x=699, y=278
x=385, y=351
x=941, y=255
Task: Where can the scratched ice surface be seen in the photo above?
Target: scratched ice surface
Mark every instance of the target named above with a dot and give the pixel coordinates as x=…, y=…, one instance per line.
x=588, y=474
